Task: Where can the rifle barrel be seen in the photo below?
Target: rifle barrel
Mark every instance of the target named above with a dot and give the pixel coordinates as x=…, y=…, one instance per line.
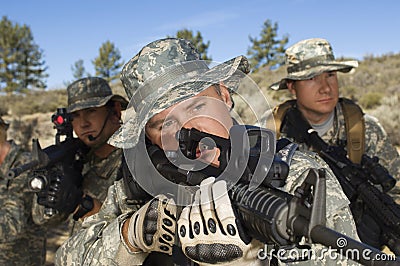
x=14, y=172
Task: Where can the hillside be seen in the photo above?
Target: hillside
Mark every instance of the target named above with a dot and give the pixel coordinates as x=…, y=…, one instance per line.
x=375, y=85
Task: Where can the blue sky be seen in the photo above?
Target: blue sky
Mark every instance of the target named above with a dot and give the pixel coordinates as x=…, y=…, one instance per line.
x=71, y=30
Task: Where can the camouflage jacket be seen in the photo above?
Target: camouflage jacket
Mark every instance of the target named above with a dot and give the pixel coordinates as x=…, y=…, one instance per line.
x=21, y=241
x=101, y=243
x=98, y=175
x=376, y=144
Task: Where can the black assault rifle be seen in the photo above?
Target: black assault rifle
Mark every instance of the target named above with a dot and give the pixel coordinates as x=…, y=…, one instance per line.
x=376, y=214
x=68, y=150
x=267, y=213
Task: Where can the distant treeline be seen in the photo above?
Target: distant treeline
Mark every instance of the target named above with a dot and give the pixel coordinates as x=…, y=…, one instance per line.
x=375, y=85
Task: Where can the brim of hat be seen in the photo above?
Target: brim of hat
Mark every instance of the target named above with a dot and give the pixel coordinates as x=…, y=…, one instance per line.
x=230, y=72
x=97, y=102
x=344, y=67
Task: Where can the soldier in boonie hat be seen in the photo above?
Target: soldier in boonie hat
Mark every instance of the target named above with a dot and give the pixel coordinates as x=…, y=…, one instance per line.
x=309, y=58
x=170, y=88
x=166, y=72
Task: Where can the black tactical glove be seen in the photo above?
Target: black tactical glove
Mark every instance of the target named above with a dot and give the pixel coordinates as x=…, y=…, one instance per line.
x=64, y=191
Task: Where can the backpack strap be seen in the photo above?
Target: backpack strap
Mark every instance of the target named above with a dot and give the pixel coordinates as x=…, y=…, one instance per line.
x=279, y=113
x=355, y=129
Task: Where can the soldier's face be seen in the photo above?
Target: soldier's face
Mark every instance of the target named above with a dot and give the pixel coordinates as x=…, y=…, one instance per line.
x=316, y=97
x=96, y=122
x=208, y=112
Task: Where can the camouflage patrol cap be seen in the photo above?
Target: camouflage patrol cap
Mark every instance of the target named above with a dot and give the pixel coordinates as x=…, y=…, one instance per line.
x=91, y=92
x=4, y=123
x=309, y=58
x=166, y=72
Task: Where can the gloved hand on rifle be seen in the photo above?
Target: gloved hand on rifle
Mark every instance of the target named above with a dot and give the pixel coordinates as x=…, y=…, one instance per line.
x=152, y=227
x=209, y=231
x=64, y=191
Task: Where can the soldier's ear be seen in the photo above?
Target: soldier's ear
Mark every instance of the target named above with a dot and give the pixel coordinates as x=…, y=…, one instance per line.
x=291, y=86
x=225, y=95
x=116, y=111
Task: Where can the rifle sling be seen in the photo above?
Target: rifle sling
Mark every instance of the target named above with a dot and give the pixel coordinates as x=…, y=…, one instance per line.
x=279, y=113
x=355, y=129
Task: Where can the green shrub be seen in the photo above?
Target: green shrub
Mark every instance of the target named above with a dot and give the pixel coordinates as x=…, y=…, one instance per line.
x=370, y=100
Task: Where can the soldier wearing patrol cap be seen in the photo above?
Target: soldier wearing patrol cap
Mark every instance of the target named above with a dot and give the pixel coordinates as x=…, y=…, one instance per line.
x=22, y=242
x=96, y=115
x=171, y=88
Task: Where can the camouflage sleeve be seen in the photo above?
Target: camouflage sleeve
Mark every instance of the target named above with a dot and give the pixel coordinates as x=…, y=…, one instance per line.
x=100, y=242
x=15, y=199
x=13, y=216
x=338, y=215
x=378, y=144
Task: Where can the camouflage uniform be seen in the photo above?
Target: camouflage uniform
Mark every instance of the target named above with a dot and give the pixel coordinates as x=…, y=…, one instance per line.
x=21, y=241
x=309, y=58
x=376, y=144
x=98, y=173
x=101, y=241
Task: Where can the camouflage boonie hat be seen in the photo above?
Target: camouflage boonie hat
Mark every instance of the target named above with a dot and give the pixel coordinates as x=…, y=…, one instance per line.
x=4, y=123
x=309, y=58
x=91, y=92
x=166, y=72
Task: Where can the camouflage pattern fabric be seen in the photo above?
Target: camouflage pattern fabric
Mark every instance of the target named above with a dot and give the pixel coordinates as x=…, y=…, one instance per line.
x=377, y=144
x=309, y=58
x=164, y=73
x=91, y=92
x=100, y=243
x=338, y=214
x=21, y=241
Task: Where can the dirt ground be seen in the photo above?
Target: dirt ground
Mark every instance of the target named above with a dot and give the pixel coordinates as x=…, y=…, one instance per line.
x=55, y=237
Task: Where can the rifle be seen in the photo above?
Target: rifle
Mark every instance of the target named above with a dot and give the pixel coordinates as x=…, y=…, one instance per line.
x=376, y=214
x=69, y=150
x=287, y=218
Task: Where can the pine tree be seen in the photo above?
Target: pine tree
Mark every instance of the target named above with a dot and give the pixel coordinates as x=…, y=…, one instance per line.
x=78, y=70
x=107, y=65
x=268, y=50
x=197, y=40
x=21, y=65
